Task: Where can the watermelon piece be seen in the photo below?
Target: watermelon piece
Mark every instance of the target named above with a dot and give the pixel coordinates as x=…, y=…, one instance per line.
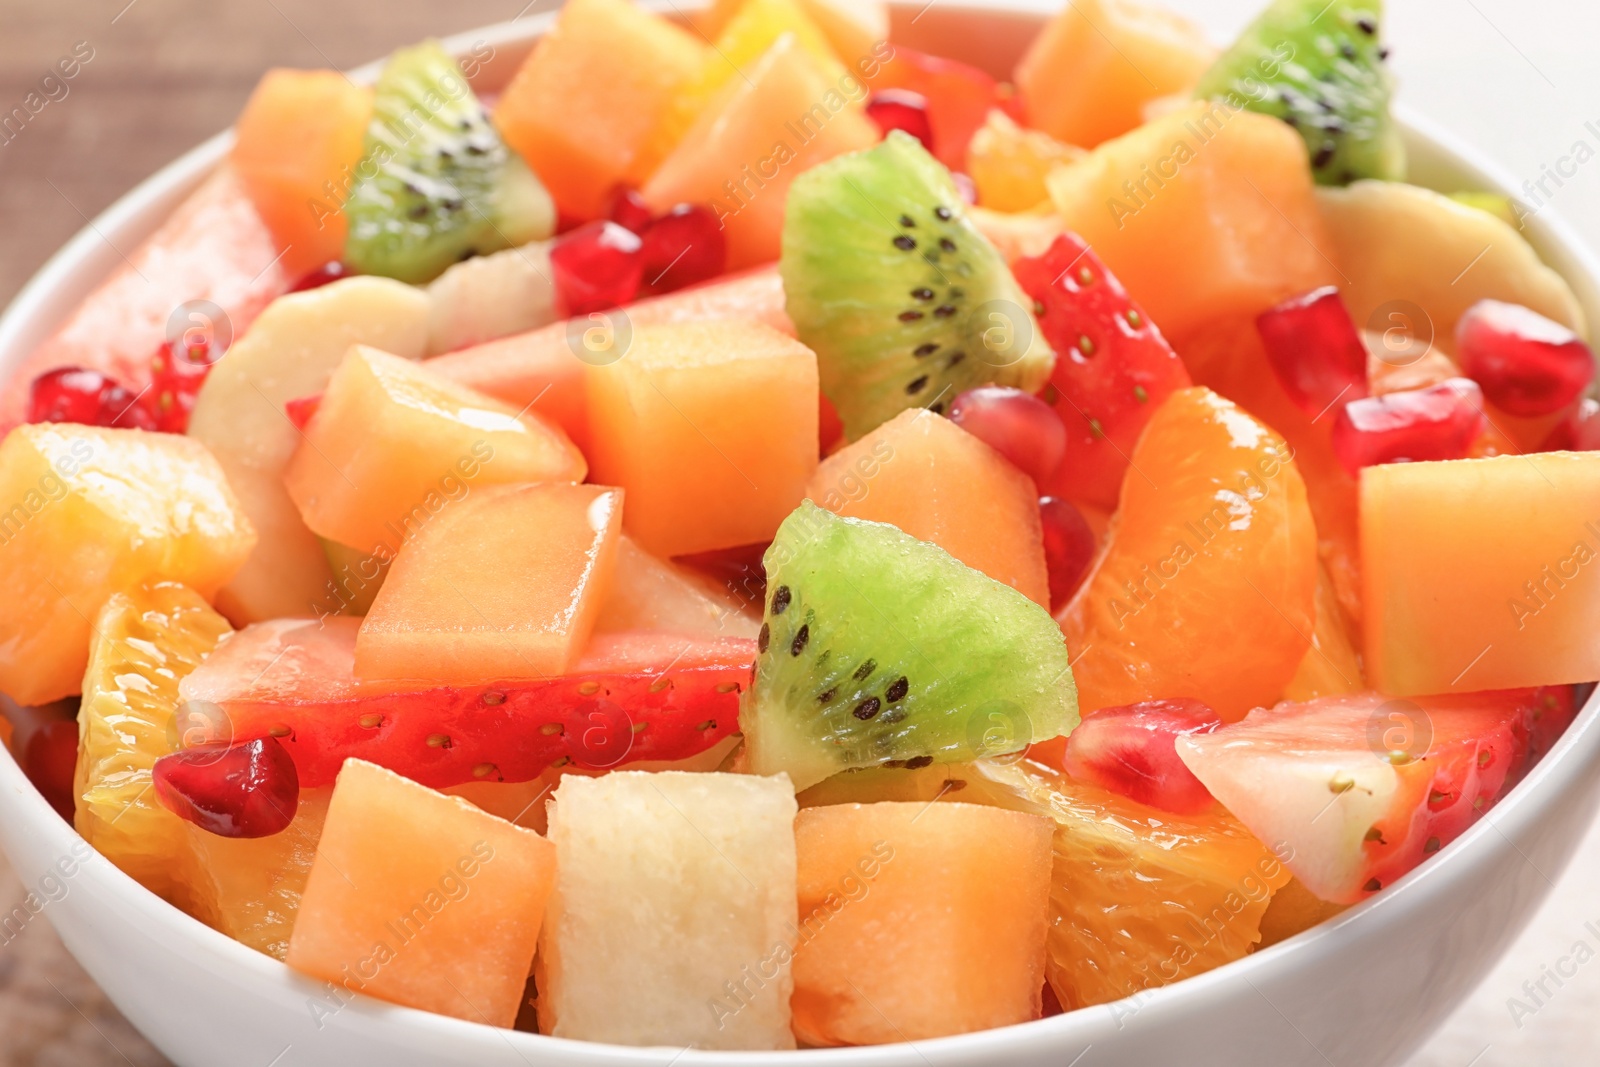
x=422, y=900
x=1354, y=791
x=214, y=247
x=972, y=882
x=629, y=697
x=937, y=482
x=502, y=583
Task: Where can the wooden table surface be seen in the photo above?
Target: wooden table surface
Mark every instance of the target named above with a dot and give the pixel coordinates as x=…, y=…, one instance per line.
x=1516, y=75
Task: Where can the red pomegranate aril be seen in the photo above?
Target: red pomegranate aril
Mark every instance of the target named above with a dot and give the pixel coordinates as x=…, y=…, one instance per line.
x=49, y=761
x=1132, y=750
x=1526, y=364
x=1315, y=350
x=74, y=394
x=1578, y=432
x=626, y=207
x=901, y=109
x=1439, y=422
x=249, y=789
x=1018, y=425
x=682, y=247
x=597, y=266
x=301, y=408
x=1069, y=547
x=328, y=272
x=175, y=380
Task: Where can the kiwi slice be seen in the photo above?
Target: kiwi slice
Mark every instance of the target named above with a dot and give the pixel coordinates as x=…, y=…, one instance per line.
x=436, y=184
x=881, y=650
x=1319, y=66
x=905, y=303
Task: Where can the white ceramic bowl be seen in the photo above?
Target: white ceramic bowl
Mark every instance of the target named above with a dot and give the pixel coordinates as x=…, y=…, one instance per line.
x=1364, y=989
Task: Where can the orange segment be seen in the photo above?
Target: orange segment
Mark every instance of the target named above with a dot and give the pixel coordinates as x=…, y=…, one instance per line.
x=1008, y=163
x=422, y=899
x=923, y=473
x=296, y=146
x=1331, y=666
x=505, y=584
x=583, y=103
x=1207, y=589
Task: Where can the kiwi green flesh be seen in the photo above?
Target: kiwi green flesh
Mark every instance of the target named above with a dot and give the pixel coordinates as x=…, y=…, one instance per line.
x=1318, y=66
x=437, y=184
x=881, y=650
x=904, y=301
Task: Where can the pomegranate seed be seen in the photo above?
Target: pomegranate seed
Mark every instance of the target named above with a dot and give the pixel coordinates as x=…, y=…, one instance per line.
x=901, y=109
x=1018, y=425
x=73, y=394
x=1527, y=365
x=597, y=266
x=175, y=380
x=1578, y=432
x=1315, y=350
x=1132, y=750
x=965, y=186
x=249, y=789
x=1439, y=422
x=50, y=760
x=684, y=246
x=301, y=408
x=626, y=207
x=328, y=272
x=1069, y=547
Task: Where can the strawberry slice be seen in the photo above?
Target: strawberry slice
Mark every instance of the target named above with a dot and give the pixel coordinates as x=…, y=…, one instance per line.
x=1113, y=367
x=631, y=696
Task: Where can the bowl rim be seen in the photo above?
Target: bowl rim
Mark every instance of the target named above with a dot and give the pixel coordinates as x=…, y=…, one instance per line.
x=1559, y=246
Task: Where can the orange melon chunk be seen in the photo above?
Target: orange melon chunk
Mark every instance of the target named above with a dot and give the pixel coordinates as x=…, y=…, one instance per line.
x=505, y=584
x=1232, y=189
x=590, y=93
x=923, y=473
x=1481, y=573
x=853, y=27
x=973, y=883
x=93, y=512
x=422, y=899
x=296, y=146
x=653, y=595
x=786, y=115
x=1092, y=69
x=392, y=444
x=710, y=427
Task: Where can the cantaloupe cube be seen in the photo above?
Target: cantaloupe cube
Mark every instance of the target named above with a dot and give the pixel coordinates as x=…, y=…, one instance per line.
x=786, y=115
x=1204, y=214
x=918, y=920
x=672, y=921
x=250, y=888
x=422, y=899
x=1091, y=70
x=1481, y=573
x=392, y=444
x=589, y=94
x=657, y=596
x=88, y=512
x=504, y=584
x=711, y=428
x=296, y=146
x=923, y=473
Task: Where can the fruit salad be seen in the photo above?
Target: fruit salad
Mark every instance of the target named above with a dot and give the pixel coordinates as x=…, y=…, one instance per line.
x=734, y=531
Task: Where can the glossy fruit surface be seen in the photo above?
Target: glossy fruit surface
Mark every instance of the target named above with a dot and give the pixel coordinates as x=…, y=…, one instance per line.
x=1214, y=538
x=902, y=109
x=1439, y=422
x=683, y=247
x=245, y=790
x=1527, y=365
x=1069, y=547
x=1018, y=425
x=1113, y=368
x=73, y=394
x=627, y=208
x=597, y=266
x=958, y=95
x=1131, y=751
x=1578, y=432
x=629, y=697
x=1009, y=163
x=1315, y=350
x=176, y=374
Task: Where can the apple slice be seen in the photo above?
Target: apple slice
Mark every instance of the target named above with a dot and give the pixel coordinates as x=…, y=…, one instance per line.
x=489, y=297
x=289, y=352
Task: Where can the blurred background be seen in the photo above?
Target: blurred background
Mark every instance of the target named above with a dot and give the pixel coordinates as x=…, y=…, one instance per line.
x=1515, y=77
